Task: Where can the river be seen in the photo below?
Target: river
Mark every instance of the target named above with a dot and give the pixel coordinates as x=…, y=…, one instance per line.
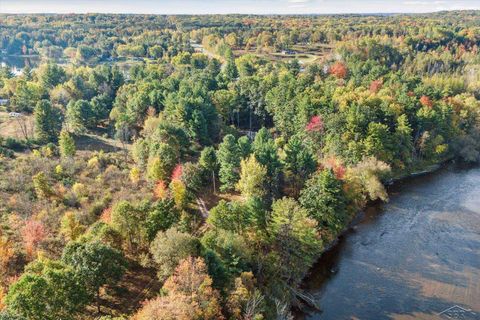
x=17, y=63
x=415, y=257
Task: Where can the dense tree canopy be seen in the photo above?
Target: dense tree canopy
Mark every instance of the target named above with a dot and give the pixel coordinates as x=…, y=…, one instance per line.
x=201, y=164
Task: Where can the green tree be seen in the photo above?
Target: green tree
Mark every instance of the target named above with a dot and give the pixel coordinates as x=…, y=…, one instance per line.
x=225, y=102
x=79, y=116
x=48, y=290
x=127, y=219
x=265, y=152
x=51, y=74
x=403, y=139
x=85, y=53
x=163, y=159
x=161, y=216
x=101, y=106
x=253, y=177
x=26, y=95
x=230, y=72
x=228, y=155
x=169, y=248
x=208, y=162
x=231, y=249
x=104, y=233
x=295, y=238
x=299, y=163
x=325, y=200
x=198, y=127
x=245, y=146
x=48, y=121
x=378, y=142
x=155, y=52
x=66, y=144
x=95, y=263
x=233, y=216
x=42, y=186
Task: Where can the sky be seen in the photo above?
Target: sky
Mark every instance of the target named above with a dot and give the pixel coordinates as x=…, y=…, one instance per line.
x=234, y=6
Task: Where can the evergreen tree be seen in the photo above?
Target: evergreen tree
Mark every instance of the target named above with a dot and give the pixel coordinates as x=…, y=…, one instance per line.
x=48, y=121
x=208, y=161
x=51, y=74
x=161, y=162
x=325, y=200
x=66, y=144
x=230, y=71
x=403, y=137
x=379, y=142
x=245, y=146
x=265, y=152
x=295, y=238
x=299, y=163
x=228, y=155
x=198, y=127
x=79, y=116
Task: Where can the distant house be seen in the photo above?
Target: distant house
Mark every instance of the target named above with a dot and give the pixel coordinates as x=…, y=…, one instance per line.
x=14, y=115
x=3, y=102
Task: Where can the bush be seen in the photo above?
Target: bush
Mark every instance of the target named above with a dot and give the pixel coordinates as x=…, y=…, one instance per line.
x=15, y=144
x=4, y=152
x=169, y=248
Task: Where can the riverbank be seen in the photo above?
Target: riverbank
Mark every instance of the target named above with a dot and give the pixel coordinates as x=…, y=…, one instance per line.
x=428, y=227
x=397, y=178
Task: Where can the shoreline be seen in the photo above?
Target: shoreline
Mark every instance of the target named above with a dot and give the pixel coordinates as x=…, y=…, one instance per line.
x=309, y=302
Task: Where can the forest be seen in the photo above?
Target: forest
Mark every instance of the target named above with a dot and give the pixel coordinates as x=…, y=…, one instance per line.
x=196, y=167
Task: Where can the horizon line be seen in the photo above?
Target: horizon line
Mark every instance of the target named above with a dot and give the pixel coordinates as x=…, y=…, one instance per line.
x=240, y=14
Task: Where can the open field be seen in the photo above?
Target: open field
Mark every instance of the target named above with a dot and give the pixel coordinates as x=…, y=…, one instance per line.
x=306, y=54
x=16, y=127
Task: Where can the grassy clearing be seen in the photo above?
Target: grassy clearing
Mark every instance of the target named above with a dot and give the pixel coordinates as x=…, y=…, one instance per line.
x=306, y=54
x=12, y=127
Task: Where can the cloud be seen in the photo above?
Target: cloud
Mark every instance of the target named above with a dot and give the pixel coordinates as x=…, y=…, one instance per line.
x=299, y=1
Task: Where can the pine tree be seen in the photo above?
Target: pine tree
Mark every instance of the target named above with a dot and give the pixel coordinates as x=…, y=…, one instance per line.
x=229, y=159
x=299, y=163
x=48, y=121
x=66, y=144
x=265, y=152
x=403, y=136
x=208, y=161
x=325, y=200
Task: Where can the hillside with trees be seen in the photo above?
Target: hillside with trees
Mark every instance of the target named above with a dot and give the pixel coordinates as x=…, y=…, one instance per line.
x=204, y=180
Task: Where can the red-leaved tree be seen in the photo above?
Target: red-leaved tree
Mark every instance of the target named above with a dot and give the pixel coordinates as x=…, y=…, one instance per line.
x=376, y=85
x=177, y=172
x=426, y=102
x=33, y=233
x=336, y=165
x=315, y=124
x=339, y=70
x=161, y=190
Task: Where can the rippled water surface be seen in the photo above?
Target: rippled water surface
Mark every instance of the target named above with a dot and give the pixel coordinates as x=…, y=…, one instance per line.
x=416, y=257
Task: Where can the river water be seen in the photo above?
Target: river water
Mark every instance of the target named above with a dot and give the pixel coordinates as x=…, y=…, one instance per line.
x=416, y=257
x=17, y=63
